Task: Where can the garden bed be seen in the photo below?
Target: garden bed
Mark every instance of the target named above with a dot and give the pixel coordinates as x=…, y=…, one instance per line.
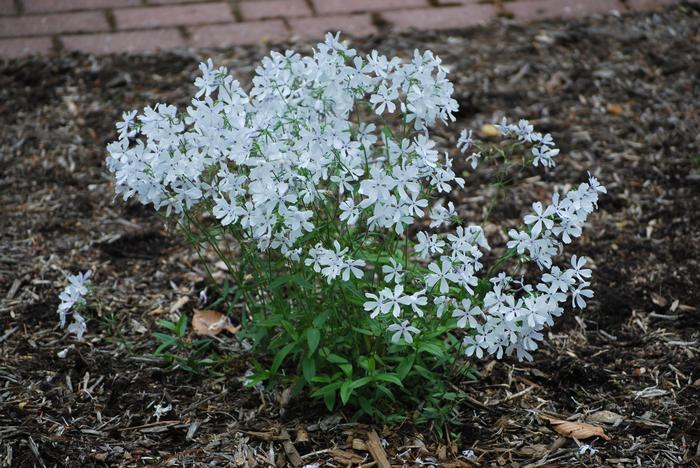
x=619, y=95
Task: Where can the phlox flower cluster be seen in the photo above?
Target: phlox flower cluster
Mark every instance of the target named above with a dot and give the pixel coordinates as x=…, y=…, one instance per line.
x=72, y=301
x=329, y=155
x=513, y=313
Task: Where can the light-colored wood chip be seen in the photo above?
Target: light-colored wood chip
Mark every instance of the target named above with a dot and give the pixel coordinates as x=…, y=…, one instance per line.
x=374, y=444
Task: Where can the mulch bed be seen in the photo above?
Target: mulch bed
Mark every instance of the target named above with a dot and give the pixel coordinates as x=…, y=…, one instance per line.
x=619, y=94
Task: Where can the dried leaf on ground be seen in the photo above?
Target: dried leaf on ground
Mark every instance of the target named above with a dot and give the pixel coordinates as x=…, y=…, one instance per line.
x=577, y=430
x=211, y=323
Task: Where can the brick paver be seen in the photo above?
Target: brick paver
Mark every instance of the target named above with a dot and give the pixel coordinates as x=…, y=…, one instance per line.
x=13, y=48
x=237, y=34
x=50, y=6
x=45, y=25
x=261, y=9
x=311, y=28
x=179, y=15
x=112, y=26
x=331, y=7
x=7, y=7
x=131, y=41
x=440, y=18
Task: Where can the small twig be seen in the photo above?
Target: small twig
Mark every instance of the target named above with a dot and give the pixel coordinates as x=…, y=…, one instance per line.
x=8, y=333
x=663, y=317
x=517, y=395
x=153, y=424
x=313, y=454
x=35, y=450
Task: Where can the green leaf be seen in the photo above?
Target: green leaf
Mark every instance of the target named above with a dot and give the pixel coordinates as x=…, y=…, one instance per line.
x=425, y=373
x=279, y=357
x=291, y=330
x=326, y=389
x=361, y=382
x=162, y=347
x=366, y=406
x=336, y=359
x=431, y=348
x=389, y=378
x=279, y=282
x=165, y=338
x=256, y=378
x=405, y=367
x=167, y=324
x=368, y=364
x=387, y=132
x=345, y=391
x=273, y=321
x=329, y=400
x=386, y=391
x=182, y=325
x=321, y=319
x=346, y=368
x=356, y=296
x=313, y=337
x=321, y=378
x=308, y=367
x=301, y=281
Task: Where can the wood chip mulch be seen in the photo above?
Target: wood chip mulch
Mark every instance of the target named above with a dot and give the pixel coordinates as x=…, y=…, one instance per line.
x=620, y=94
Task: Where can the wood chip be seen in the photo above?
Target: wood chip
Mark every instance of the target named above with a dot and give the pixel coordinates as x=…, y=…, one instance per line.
x=302, y=436
x=375, y=448
x=345, y=457
x=177, y=305
x=359, y=444
x=289, y=449
x=615, y=108
x=605, y=416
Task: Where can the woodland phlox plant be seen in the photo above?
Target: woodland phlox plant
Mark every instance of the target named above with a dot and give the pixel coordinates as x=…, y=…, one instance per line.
x=324, y=194
x=73, y=300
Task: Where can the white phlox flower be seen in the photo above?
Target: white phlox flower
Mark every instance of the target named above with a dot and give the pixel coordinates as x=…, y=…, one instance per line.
x=403, y=330
x=72, y=301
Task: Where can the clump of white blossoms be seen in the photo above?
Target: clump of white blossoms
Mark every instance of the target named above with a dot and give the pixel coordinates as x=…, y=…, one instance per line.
x=325, y=174
x=73, y=301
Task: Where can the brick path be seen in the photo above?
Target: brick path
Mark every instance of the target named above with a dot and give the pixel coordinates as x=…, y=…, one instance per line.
x=107, y=26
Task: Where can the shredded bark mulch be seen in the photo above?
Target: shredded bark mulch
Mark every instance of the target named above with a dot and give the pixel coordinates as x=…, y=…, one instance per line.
x=619, y=94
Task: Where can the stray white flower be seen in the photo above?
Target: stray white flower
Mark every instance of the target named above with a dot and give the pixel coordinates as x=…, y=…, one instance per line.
x=465, y=140
x=73, y=299
x=583, y=448
x=161, y=409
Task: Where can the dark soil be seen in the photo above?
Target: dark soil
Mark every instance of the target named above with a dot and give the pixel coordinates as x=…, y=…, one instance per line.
x=619, y=94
